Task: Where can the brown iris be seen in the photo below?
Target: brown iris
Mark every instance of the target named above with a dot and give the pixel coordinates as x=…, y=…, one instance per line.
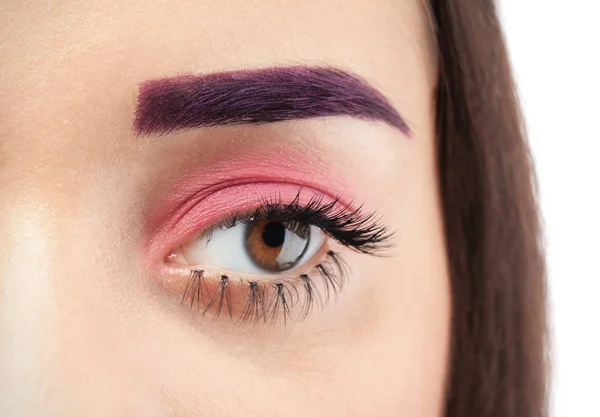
x=276, y=245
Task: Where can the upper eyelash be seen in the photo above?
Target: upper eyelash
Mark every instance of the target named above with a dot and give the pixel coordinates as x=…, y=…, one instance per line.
x=349, y=226
x=268, y=301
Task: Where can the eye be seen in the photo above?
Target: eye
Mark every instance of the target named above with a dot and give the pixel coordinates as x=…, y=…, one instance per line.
x=296, y=243
x=258, y=246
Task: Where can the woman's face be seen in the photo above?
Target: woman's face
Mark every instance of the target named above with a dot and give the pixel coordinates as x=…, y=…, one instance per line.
x=102, y=218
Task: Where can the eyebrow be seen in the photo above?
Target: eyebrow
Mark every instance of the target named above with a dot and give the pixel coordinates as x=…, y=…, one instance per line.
x=256, y=96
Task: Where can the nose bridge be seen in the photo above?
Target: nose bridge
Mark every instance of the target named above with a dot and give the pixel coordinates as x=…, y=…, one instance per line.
x=27, y=310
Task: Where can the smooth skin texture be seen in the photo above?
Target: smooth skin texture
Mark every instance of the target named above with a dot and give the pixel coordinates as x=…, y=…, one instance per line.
x=85, y=329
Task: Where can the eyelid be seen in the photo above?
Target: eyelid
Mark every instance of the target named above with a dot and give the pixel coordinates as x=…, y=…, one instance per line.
x=205, y=210
x=204, y=193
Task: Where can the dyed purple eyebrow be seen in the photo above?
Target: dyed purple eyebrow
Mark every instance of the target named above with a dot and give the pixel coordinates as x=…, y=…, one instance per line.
x=256, y=96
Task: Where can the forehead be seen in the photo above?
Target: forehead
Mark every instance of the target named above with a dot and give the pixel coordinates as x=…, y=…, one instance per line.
x=81, y=62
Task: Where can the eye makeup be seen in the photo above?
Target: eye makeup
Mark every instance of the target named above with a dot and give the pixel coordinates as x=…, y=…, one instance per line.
x=198, y=199
x=215, y=290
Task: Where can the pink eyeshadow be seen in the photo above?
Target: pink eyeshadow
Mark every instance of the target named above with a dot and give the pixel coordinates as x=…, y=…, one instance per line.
x=210, y=194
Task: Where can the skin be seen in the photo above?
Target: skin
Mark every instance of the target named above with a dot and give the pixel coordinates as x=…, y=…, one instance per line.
x=88, y=325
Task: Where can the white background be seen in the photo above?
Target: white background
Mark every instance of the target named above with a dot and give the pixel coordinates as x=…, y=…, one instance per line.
x=555, y=51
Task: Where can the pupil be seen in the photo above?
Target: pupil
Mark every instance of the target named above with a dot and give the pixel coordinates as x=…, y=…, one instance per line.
x=274, y=234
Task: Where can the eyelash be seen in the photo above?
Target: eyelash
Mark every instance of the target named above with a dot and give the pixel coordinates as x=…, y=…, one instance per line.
x=267, y=301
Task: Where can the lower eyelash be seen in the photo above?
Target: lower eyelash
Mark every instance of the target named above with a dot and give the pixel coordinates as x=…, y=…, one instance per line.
x=269, y=302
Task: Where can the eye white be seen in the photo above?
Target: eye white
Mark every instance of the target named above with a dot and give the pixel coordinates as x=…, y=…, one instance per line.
x=226, y=249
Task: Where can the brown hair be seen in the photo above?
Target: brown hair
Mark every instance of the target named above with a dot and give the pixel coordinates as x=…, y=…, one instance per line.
x=498, y=360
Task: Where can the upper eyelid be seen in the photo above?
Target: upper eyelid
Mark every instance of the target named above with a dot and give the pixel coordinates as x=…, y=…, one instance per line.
x=257, y=213
x=203, y=193
x=365, y=233
x=180, y=228
x=266, y=207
